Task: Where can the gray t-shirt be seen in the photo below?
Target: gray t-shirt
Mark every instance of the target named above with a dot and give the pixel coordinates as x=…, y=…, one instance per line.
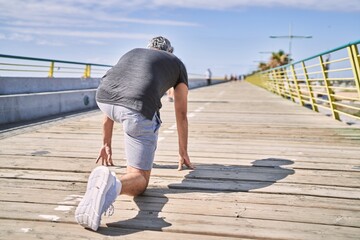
x=140, y=79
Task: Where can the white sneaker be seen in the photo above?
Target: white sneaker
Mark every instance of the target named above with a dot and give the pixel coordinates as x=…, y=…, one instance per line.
x=102, y=190
x=111, y=196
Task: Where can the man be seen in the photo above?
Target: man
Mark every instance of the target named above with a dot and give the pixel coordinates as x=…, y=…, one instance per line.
x=208, y=75
x=130, y=93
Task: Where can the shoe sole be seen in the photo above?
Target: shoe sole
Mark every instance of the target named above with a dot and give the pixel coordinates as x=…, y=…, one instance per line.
x=88, y=213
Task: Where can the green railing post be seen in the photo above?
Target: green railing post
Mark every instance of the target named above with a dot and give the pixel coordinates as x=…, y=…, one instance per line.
x=281, y=83
x=311, y=94
x=286, y=77
x=267, y=82
x=329, y=91
x=87, y=71
x=283, y=76
x=355, y=64
x=277, y=86
x=298, y=91
x=269, y=85
x=51, y=70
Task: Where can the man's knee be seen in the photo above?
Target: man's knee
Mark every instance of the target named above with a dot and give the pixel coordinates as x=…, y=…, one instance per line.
x=143, y=177
x=144, y=185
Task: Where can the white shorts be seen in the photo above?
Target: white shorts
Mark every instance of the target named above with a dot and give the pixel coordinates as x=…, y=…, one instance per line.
x=140, y=134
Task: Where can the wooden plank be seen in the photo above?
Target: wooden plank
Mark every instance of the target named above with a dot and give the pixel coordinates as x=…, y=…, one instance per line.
x=170, y=161
x=279, y=172
x=14, y=189
x=263, y=171
x=18, y=229
x=42, y=161
x=301, y=149
x=191, y=183
x=244, y=210
x=119, y=152
x=234, y=226
x=68, y=200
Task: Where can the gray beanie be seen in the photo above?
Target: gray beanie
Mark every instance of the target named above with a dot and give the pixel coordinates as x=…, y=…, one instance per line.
x=161, y=43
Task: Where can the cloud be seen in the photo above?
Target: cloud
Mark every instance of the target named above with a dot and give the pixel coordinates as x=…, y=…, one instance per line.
x=84, y=18
x=75, y=18
x=322, y=5
x=82, y=34
x=38, y=11
x=20, y=37
x=50, y=43
x=93, y=42
x=148, y=21
x=25, y=37
x=36, y=20
x=77, y=12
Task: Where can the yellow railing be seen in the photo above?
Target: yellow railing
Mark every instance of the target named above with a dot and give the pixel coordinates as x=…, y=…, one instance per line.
x=328, y=82
x=15, y=65
x=18, y=66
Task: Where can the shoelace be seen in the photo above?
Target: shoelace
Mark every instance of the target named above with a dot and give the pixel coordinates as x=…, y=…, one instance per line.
x=110, y=211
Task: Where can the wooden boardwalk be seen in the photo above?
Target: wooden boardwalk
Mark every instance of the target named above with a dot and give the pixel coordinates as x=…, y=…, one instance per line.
x=266, y=169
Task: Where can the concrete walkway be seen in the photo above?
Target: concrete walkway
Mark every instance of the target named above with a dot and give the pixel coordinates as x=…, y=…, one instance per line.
x=266, y=169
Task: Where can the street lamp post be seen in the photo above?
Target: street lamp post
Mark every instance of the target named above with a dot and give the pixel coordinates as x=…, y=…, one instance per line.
x=290, y=37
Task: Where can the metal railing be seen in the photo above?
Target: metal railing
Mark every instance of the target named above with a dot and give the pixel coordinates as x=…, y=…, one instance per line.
x=15, y=65
x=11, y=65
x=327, y=82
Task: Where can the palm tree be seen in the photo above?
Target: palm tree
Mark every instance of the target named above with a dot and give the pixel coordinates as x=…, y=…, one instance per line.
x=277, y=59
x=263, y=66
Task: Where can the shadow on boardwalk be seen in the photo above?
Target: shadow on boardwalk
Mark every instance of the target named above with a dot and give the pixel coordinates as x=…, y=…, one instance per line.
x=208, y=178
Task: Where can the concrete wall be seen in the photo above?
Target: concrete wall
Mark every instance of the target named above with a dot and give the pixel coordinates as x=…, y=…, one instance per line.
x=20, y=85
x=200, y=82
x=26, y=99
x=25, y=107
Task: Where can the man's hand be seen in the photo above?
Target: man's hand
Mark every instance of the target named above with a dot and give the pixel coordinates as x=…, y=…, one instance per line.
x=184, y=159
x=105, y=156
x=105, y=151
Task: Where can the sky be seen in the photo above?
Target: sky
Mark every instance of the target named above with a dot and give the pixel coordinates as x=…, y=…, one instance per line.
x=227, y=36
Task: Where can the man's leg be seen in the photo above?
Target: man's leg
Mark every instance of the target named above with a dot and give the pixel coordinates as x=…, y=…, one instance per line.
x=140, y=137
x=135, y=181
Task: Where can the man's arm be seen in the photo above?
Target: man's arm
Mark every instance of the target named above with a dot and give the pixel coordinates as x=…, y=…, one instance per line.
x=105, y=151
x=180, y=95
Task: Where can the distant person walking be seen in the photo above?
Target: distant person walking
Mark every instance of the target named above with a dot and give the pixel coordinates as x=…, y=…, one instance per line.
x=170, y=94
x=208, y=75
x=130, y=93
